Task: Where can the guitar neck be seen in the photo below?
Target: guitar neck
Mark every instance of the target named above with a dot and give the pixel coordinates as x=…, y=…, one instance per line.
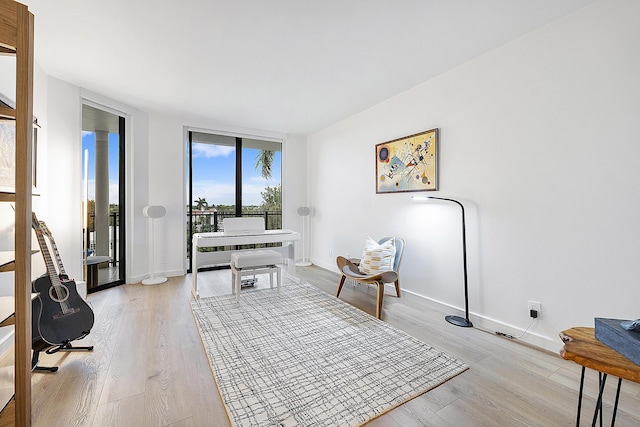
x=51, y=269
x=53, y=247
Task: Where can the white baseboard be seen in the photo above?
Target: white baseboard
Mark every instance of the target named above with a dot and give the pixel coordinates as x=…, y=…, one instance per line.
x=491, y=325
x=485, y=323
x=331, y=267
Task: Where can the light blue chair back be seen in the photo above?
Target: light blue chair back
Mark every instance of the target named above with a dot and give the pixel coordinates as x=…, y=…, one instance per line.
x=399, y=243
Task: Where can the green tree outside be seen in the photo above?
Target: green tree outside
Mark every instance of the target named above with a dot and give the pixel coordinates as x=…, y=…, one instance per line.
x=272, y=198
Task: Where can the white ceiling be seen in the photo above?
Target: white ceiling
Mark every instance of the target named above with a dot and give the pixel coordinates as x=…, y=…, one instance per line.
x=292, y=66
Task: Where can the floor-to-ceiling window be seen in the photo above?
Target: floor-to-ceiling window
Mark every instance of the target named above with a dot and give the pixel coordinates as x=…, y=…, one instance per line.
x=231, y=176
x=103, y=178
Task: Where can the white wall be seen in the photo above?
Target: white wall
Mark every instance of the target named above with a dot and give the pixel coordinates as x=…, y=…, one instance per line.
x=61, y=189
x=166, y=188
x=540, y=140
x=295, y=185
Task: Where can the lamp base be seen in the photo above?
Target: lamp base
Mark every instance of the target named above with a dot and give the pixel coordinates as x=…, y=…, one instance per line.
x=459, y=321
x=154, y=280
x=303, y=263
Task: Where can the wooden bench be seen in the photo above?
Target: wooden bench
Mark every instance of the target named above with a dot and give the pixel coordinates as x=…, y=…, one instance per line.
x=254, y=262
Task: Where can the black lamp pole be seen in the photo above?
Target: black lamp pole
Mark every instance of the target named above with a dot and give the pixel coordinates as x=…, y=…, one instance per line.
x=457, y=320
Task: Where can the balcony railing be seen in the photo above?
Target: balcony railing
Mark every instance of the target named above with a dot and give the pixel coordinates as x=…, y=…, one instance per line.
x=210, y=221
x=114, y=223
x=204, y=222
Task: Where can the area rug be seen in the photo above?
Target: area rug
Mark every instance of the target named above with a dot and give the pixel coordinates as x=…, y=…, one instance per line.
x=301, y=357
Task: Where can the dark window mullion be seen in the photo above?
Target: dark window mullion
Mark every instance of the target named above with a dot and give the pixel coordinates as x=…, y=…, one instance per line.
x=122, y=200
x=190, y=208
x=238, y=176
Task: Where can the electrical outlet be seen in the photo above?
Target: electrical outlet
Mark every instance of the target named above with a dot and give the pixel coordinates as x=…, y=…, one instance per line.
x=330, y=252
x=534, y=306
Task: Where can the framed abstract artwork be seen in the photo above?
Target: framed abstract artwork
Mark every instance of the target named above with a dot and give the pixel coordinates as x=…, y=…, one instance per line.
x=7, y=155
x=408, y=164
x=8, y=149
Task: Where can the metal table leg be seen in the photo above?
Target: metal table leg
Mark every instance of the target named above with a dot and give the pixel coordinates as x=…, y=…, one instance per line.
x=580, y=397
x=615, y=406
x=602, y=379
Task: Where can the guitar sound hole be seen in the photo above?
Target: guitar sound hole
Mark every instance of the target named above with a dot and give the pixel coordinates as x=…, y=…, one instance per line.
x=60, y=294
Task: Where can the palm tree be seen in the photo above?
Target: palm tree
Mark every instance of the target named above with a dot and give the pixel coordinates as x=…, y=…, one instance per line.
x=264, y=162
x=201, y=204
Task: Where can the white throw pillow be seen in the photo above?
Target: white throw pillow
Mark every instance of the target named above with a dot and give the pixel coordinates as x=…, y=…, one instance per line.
x=377, y=258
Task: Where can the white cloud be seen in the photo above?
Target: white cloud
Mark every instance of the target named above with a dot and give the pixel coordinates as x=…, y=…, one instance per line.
x=251, y=194
x=215, y=193
x=225, y=194
x=114, y=191
x=211, y=150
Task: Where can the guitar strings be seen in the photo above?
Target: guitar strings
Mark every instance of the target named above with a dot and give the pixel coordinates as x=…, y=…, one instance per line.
x=53, y=274
x=61, y=271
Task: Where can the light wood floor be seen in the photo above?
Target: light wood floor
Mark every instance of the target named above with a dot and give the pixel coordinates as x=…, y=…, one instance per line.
x=149, y=367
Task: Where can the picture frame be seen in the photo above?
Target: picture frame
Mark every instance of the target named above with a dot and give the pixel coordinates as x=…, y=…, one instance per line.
x=408, y=164
x=7, y=155
x=8, y=149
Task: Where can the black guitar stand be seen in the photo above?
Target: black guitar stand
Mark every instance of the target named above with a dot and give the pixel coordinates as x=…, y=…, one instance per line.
x=40, y=344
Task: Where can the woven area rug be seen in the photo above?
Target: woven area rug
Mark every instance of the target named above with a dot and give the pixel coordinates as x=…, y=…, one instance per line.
x=301, y=357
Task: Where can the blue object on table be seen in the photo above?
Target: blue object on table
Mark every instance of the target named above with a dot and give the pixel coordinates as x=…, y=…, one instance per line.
x=610, y=332
x=631, y=325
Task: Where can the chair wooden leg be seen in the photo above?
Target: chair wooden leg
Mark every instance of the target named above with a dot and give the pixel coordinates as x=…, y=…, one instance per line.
x=398, y=288
x=342, y=279
x=380, y=296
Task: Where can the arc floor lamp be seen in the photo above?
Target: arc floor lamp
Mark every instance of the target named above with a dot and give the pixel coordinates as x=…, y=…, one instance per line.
x=457, y=320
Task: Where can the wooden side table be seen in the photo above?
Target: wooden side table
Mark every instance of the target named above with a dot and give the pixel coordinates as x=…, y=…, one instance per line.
x=581, y=346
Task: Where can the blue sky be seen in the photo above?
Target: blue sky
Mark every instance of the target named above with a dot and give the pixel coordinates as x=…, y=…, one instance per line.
x=89, y=142
x=213, y=172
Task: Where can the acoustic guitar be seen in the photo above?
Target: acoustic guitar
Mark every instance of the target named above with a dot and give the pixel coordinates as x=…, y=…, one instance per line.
x=60, y=315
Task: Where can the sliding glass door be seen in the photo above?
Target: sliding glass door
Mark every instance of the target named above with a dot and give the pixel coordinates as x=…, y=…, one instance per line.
x=104, y=195
x=231, y=176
